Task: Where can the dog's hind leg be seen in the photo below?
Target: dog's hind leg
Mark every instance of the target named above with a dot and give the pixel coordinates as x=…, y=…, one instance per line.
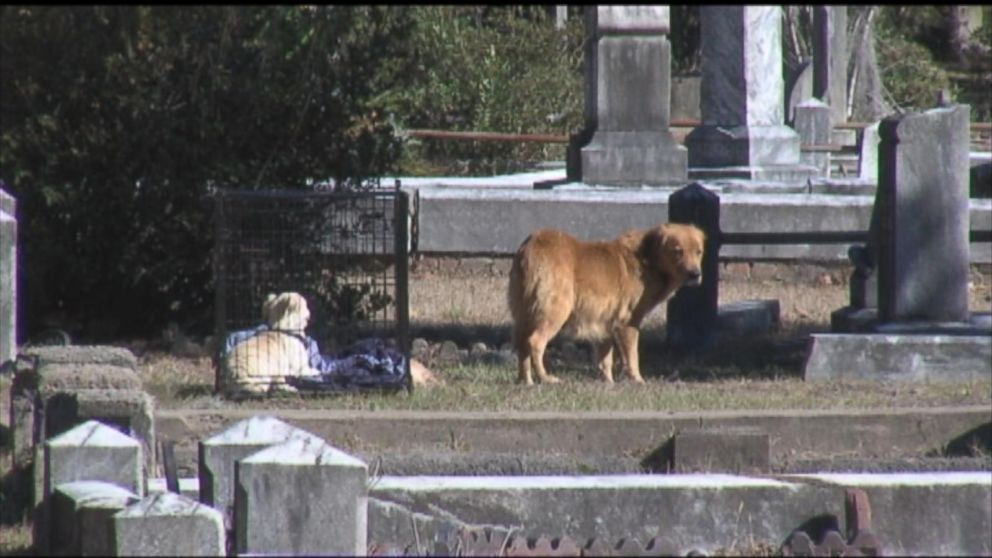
x=604, y=359
x=523, y=355
x=537, y=342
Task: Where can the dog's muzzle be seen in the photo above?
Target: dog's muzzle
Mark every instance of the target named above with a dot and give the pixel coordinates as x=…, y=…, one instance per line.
x=693, y=278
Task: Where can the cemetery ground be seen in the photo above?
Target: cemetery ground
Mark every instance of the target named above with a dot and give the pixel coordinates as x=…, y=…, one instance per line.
x=456, y=306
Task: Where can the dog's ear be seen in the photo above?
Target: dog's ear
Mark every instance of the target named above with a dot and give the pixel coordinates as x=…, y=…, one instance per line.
x=650, y=245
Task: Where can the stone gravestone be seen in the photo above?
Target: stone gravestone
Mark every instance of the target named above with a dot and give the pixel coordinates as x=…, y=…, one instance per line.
x=82, y=517
x=627, y=140
x=923, y=216
x=813, y=125
x=919, y=233
x=743, y=133
x=219, y=453
x=168, y=524
x=301, y=497
x=89, y=452
x=8, y=277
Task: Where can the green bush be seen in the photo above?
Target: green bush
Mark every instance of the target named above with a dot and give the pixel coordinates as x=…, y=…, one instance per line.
x=911, y=75
x=117, y=121
x=492, y=69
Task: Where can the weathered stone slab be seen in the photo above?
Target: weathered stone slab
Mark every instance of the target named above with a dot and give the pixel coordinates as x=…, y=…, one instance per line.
x=923, y=246
x=721, y=451
x=218, y=454
x=129, y=411
x=905, y=516
x=169, y=524
x=95, y=452
x=8, y=278
x=82, y=517
x=749, y=317
x=632, y=19
x=89, y=452
x=703, y=512
x=82, y=354
x=301, y=497
x=713, y=450
x=895, y=357
x=42, y=372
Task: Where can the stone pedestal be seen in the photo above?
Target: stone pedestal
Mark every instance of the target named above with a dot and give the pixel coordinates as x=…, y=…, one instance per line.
x=627, y=141
x=743, y=134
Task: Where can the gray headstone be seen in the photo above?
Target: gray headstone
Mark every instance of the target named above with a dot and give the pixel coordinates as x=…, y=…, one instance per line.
x=89, y=452
x=743, y=132
x=868, y=154
x=44, y=373
x=8, y=278
x=301, y=497
x=924, y=216
x=830, y=58
x=169, y=524
x=628, y=99
x=218, y=454
x=82, y=517
x=814, y=128
x=799, y=89
x=95, y=452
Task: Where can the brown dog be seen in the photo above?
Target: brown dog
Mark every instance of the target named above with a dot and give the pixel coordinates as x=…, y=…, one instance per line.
x=598, y=291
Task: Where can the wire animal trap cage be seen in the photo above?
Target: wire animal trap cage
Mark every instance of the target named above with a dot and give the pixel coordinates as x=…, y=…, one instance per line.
x=344, y=251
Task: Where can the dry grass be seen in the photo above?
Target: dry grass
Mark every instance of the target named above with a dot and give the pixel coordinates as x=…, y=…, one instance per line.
x=744, y=374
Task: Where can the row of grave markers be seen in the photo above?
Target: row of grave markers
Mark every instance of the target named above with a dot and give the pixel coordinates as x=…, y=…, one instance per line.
x=95, y=499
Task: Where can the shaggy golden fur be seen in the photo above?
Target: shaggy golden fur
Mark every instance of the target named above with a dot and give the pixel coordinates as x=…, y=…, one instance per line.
x=262, y=362
x=598, y=291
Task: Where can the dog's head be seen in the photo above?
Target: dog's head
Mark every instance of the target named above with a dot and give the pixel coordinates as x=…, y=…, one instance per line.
x=286, y=311
x=676, y=250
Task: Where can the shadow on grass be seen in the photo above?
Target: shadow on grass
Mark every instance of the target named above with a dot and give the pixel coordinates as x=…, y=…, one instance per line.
x=778, y=354
x=194, y=390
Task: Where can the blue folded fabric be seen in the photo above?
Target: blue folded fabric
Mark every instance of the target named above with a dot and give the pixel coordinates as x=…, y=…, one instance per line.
x=368, y=364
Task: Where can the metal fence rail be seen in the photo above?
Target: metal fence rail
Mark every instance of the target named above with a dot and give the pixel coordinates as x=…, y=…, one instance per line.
x=821, y=237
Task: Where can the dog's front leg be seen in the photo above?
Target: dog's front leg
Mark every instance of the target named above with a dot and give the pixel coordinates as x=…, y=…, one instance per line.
x=604, y=358
x=627, y=338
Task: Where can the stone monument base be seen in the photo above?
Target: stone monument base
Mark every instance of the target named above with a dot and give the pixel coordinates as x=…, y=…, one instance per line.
x=749, y=152
x=634, y=159
x=850, y=319
x=903, y=357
